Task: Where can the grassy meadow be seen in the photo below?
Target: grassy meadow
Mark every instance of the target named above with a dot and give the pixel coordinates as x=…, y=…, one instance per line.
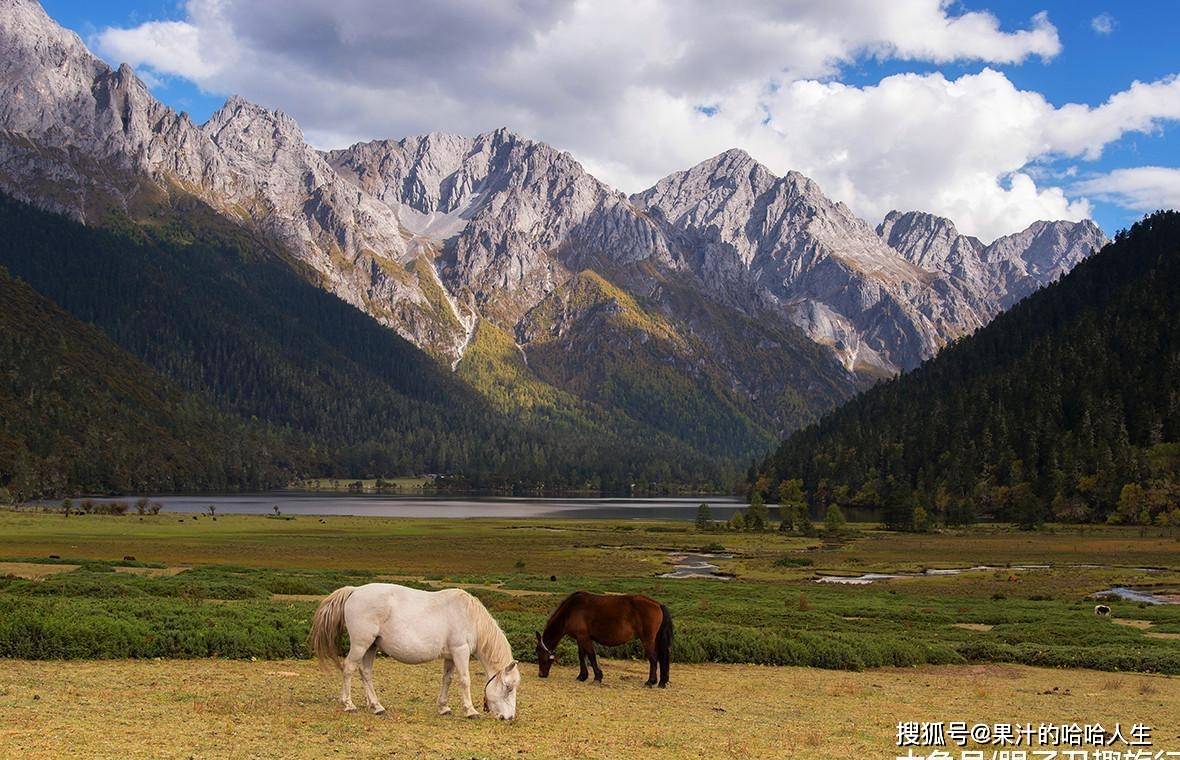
x=229, y=708
x=206, y=596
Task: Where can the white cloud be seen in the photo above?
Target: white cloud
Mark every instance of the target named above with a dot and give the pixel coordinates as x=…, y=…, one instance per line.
x=1103, y=23
x=1143, y=188
x=620, y=84
x=170, y=47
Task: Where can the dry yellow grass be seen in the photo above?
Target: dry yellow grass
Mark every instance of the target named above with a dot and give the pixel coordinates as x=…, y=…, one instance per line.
x=209, y=708
x=34, y=570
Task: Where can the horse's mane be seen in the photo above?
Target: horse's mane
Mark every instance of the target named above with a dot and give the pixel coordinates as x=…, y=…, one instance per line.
x=490, y=642
x=561, y=611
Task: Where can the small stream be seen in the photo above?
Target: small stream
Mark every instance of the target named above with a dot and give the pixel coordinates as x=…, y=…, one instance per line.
x=1139, y=595
x=687, y=565
x=867, y=578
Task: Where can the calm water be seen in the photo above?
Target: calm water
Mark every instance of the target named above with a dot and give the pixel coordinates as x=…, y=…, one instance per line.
x=302, y=503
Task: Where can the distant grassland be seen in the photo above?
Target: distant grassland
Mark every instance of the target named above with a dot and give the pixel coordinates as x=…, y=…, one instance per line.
x=245, y=586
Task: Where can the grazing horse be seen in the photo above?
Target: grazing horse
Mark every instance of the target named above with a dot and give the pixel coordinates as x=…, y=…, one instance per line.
x=414, y=626
x=610, y=620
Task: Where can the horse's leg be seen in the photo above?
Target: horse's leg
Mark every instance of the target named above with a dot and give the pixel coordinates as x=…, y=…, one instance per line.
x=582, y=674
x=653, y=658
x=462, y=659
x=665, y=664
x=367, y=680
x=352, y=663
x=594, y=663
x=448, y=669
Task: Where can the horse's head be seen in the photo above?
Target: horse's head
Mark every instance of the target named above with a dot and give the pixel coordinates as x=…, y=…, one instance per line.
x=545, y=656
x=499, y=695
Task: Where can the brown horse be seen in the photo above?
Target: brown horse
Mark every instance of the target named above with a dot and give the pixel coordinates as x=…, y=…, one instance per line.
x=610, y=620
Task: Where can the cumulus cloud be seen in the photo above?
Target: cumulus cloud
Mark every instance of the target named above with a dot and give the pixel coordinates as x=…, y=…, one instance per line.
x=170, y=47
x=636, y=89
x=1103, y=23
x=1143, y=189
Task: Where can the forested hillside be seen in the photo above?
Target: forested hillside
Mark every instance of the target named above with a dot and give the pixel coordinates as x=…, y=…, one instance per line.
x=223, y=317
x=78, y=412
x=1066, y=407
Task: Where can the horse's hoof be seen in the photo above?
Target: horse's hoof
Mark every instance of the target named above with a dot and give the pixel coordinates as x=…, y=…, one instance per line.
x=349, y=708
x=664, y=685
x=582, y=677
x=379, y=710
x=444, y=711
x=649, y=684
x=472, y=715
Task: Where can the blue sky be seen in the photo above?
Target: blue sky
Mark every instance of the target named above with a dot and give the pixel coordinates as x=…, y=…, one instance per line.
x=1144, y=45
x=89, y=18
x=629, y=124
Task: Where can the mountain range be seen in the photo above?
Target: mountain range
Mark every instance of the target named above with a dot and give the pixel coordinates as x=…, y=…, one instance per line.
x=722, y=307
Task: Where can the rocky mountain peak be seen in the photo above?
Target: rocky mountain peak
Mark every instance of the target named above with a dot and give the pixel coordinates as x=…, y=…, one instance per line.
x=1000, y=273
x=47, y=76
x=928, y=241
x=240, y=119
x=1046, y=250
x=904, y=223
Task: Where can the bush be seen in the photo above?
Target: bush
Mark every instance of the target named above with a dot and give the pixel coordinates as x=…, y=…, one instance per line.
x=757, y=516
x=704, y=518
x=834, y=521
x=109, y=508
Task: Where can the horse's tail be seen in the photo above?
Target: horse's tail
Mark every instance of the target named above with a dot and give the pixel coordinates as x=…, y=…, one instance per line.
x=327, y=627
x=664, y=635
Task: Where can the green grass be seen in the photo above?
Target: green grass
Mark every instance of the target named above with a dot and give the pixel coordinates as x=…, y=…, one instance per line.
x=249, y=586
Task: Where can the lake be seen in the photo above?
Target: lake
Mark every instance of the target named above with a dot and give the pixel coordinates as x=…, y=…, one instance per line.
x=391, y=505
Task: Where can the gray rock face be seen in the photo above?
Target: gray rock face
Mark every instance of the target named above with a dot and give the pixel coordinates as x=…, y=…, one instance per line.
x=429, y=234
x=782, y=244
x=512, y=216
x=996, y=275
x=931, y=242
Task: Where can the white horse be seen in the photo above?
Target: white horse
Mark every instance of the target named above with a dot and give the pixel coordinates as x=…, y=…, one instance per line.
x=415, y=626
